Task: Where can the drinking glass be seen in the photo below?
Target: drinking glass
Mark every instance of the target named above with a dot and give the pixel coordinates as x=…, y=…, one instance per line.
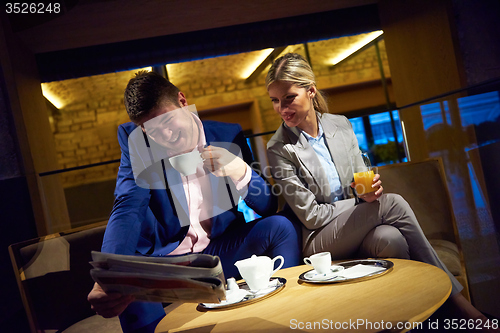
x=363, y=174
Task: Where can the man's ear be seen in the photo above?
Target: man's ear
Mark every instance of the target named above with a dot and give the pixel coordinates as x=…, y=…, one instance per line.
x=181, y=98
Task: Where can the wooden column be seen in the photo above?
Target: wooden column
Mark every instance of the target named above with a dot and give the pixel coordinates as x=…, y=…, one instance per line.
x=424, y=59
x=32, y=129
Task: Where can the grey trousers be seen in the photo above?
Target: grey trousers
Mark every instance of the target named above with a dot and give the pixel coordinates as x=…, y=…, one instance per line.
x=384, y=228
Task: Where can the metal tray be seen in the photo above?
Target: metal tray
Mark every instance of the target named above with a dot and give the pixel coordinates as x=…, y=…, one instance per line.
x=248, y=299
x=388, y=265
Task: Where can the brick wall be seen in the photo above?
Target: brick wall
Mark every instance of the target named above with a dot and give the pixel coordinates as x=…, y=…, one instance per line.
x=85, y=128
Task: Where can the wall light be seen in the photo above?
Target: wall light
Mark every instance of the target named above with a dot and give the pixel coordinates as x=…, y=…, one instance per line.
x=368, y=38
x=52, y=97
x=257, y=61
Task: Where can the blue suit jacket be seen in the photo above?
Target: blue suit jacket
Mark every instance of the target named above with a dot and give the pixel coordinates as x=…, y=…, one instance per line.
x=150, y=220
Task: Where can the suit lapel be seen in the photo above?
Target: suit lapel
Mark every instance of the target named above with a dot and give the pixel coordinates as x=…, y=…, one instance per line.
x=176, y=188
x=215, y=182
x=338, y=150
x=308, y=158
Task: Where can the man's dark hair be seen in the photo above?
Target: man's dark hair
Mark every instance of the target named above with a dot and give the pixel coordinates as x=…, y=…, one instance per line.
x=145, y=92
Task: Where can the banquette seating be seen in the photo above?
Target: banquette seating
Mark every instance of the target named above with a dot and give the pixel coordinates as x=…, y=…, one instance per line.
x=53, y=278
x=423, y=185
x=53, y=271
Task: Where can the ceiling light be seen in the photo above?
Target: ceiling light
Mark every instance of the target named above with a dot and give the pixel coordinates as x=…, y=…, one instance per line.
x=52, y=97
x=263, y=54
x=368, y=38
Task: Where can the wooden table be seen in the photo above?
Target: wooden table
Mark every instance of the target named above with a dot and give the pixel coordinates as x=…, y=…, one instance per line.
x=408, y=294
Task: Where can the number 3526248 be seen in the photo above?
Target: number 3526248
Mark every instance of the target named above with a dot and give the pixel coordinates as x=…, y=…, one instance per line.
x=32, y=8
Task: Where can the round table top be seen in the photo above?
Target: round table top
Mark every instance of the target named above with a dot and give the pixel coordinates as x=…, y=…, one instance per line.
x=403, y=297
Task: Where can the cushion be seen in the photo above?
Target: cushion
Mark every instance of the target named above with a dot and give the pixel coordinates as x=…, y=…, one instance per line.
x=449, y=255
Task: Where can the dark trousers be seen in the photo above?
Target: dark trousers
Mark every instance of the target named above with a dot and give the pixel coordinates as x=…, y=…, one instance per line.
x=269, y=236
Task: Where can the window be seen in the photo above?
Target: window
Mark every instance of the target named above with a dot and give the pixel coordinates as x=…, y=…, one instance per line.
x=380, y=136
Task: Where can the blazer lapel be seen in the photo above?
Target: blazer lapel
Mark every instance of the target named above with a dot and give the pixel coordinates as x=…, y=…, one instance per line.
x=338, y=151
x=221, y=200
x=308, y=158
x=176, y=189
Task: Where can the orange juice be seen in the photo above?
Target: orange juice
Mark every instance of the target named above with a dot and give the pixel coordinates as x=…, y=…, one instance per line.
x=364, y=181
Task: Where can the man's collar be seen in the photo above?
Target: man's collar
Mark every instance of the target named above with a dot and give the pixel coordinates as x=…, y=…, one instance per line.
x=202, y=141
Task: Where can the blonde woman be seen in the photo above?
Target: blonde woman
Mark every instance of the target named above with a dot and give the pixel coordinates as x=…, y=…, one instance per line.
x=310, y=156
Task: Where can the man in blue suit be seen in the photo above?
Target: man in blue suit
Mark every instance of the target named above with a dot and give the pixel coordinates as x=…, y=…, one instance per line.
x=159, y=211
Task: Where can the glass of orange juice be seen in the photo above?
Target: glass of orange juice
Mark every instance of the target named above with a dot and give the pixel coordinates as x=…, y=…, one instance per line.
x=363, y=174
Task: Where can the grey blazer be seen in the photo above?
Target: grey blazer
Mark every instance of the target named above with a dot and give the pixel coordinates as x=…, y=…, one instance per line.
x=300, y=178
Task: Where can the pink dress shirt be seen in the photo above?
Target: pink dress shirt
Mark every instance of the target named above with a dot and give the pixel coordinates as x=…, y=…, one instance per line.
x=199, y=198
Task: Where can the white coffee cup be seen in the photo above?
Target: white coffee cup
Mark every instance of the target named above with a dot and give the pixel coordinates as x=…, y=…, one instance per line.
x=186, y=163
x=322, y=262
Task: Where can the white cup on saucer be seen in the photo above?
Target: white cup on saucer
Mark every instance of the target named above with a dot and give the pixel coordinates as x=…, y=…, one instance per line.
x=321, y=262
x=187, y=163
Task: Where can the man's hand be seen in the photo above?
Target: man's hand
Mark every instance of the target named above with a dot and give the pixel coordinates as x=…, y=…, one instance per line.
x=221, y=163
x=372, y=196
x=108, y=305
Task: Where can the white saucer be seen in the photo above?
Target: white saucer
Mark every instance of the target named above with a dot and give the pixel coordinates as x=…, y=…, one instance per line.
x=315, y=276
x=245, y=296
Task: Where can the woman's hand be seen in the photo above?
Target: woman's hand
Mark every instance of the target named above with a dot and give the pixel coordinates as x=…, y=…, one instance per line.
x=372, y=196
x=108, y=305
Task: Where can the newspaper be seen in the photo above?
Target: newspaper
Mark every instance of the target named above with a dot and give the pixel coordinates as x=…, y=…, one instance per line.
x=191, y=278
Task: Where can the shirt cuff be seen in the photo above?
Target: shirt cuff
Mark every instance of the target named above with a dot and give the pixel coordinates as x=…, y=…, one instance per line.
x=241, y=183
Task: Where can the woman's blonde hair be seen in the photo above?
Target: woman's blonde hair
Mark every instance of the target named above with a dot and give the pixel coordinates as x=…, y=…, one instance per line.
x=293, y=68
